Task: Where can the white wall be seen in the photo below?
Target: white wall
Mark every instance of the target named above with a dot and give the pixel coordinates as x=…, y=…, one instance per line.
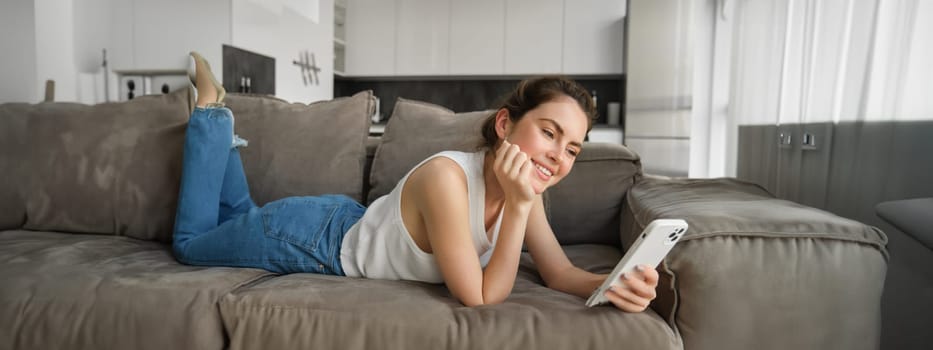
x=166, y=30
x=283, y=32
x=93, y=25
x=17, y=65
x=55, y=48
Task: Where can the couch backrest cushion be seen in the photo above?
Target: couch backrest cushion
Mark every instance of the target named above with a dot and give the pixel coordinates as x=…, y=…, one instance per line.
x=303, y=149
x=13, y=149
x=586, y=206
x=415, y=131
x=583, y=208
x=110, y=168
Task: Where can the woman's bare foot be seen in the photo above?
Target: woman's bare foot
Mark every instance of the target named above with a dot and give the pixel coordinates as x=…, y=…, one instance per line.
x=210, y=91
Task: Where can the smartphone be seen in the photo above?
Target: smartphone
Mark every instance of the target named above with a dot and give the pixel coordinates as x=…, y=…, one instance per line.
x=649, y=249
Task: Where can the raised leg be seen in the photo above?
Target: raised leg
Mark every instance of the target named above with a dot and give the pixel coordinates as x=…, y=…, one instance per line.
x=234, y=193
x=206, y=151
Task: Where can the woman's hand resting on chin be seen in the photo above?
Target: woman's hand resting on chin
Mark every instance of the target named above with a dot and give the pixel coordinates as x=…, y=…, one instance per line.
x=513, y=170
x=637, y=289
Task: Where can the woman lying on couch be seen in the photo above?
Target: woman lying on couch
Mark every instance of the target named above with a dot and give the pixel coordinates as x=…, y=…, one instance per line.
x=456, y=218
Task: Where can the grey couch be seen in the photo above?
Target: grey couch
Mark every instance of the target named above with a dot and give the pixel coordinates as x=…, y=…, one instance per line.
x=87, y=205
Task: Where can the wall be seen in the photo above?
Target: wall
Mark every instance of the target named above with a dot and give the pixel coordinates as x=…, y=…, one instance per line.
x=284, y=31
x=158, y=34
x=93, y=32
x=18, y=68
x=164, y=31
x=55, y=48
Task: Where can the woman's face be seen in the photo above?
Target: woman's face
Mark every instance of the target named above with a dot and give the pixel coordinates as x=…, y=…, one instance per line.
x=551, y=135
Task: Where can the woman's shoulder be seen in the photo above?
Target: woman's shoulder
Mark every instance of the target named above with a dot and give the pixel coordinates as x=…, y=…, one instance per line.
x=447, y=168
x=449, y=160
x=438, y=180
x=440, y=168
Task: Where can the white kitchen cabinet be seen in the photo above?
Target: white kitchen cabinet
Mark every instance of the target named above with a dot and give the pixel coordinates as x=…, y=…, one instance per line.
x=371, y=37
x=484, y=37
x=477, y=37
x=422, y=37
x=533, y=36
x=593, y=36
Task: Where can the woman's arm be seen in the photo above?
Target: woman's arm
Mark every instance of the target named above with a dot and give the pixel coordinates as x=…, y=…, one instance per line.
x=556, y=270
x=559, y=273
x=440, y=195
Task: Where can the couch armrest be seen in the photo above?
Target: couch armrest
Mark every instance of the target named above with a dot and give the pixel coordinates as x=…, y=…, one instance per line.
x=757, y=272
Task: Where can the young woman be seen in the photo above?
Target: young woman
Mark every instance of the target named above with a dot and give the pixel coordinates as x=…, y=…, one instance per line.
x=456, y=218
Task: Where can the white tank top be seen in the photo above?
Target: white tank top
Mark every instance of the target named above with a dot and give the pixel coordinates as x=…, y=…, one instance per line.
x=379, y=246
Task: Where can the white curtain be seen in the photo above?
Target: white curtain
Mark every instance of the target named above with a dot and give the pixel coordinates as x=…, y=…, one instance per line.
x=806, y=61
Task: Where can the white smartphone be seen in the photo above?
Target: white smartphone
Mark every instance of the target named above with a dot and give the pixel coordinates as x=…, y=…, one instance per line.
x=649, y=249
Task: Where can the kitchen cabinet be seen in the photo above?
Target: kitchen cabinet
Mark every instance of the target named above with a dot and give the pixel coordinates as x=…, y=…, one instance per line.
x=533, y=36
x=371, y=37
x=484, y=37
x=477, y=37
x=422, y=37
x=593, y=36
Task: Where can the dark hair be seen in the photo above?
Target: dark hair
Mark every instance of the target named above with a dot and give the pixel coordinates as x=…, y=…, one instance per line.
x=529, y=94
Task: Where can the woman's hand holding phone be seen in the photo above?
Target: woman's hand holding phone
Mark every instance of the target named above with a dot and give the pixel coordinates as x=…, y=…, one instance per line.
x=637, y=289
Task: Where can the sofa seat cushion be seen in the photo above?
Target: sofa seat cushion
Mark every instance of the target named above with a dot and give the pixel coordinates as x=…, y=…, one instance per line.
x=309, y=311
x=65, y=291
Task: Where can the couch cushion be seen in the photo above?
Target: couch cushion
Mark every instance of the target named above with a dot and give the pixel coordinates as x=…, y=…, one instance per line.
x=64, y=291
x=308, y=311
x=13, y=119
x=299, y=149
x=586, y=206
x=110, y=168
x=415, y=131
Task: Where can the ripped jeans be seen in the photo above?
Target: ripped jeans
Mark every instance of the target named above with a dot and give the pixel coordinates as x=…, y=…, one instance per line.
x=217, y=223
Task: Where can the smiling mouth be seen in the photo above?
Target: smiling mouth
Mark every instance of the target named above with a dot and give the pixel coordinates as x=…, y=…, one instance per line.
x=547, y=173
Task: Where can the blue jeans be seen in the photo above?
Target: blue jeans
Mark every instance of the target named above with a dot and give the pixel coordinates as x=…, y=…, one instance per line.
x=217, y=223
